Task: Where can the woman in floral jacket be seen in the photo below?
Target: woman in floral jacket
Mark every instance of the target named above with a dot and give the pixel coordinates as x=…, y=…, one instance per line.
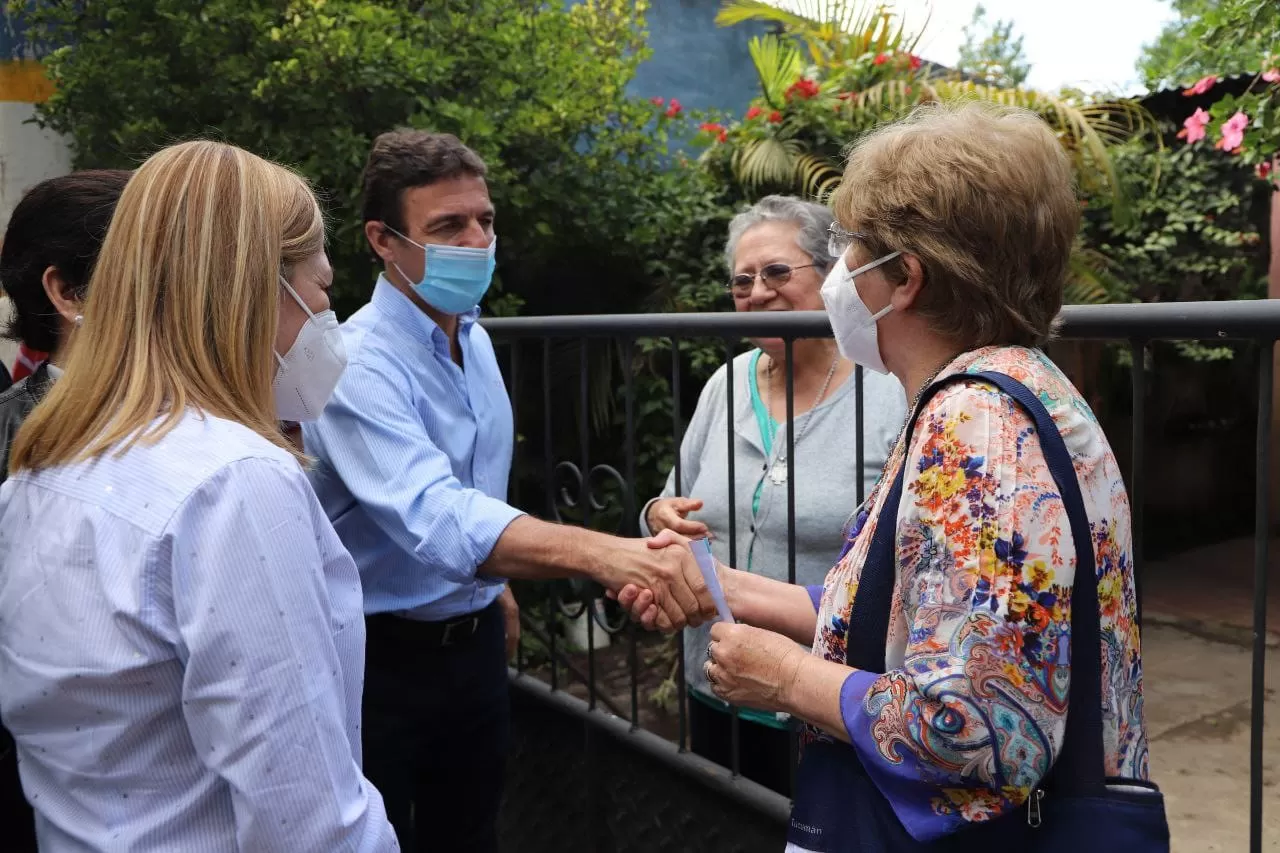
x=943, y=664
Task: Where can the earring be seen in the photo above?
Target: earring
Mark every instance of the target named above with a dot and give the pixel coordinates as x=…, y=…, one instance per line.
x=78, y=320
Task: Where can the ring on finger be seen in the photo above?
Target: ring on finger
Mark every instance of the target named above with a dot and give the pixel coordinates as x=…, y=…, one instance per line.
x=711, y=649
x=706, y=672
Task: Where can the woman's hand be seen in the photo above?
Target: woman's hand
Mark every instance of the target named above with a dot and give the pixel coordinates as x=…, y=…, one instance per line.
x=672, y=514
x=751, y=666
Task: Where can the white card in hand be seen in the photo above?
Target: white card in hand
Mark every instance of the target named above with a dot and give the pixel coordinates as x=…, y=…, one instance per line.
x=701, y=549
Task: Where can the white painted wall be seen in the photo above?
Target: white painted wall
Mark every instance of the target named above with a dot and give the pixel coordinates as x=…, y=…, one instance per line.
x=28, y=155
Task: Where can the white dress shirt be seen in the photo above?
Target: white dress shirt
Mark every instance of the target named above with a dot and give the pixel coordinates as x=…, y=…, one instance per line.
x=182, y=652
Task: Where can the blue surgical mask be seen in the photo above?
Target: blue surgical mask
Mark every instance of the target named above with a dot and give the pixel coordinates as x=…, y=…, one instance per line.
x=454, y=278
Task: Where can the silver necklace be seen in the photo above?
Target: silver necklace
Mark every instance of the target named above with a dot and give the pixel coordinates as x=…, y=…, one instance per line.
x=778, y=470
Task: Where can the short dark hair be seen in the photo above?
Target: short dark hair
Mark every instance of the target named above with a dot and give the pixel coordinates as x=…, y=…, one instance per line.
x=59, y=223
x=403, y=159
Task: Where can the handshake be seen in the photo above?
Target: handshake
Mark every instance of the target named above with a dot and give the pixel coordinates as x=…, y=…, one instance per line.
x=658, y=581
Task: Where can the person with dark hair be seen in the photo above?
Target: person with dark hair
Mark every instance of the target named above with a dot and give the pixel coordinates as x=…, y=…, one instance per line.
x=46, y=257
x=412, y=457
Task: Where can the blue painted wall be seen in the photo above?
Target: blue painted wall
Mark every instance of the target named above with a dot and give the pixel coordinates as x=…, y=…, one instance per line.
x=703, y=65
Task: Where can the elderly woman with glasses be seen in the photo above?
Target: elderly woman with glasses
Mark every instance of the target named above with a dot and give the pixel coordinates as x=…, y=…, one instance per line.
x=777, y=255
x=975, y=681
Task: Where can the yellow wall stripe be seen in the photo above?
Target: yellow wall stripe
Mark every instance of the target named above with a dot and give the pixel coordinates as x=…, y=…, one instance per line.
x=24, y=81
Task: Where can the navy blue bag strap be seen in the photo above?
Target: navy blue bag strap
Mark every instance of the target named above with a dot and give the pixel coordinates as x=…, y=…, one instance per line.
x=1082, y=768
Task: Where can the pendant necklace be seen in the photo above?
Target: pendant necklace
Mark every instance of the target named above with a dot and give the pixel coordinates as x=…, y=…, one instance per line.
x=778, y=470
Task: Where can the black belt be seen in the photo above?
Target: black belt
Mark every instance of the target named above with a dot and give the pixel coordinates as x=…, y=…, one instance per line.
x=449, y=632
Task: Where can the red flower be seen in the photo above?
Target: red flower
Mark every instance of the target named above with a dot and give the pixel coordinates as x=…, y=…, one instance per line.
x=674, y=109
x=1201, y=86
x=715, y=128
x=847, y=96
x=915, y=62
x=657, y=102
x=880, y=59
x=754, y=112
x=803, y=88
x=775, y=117
x=1264, y=170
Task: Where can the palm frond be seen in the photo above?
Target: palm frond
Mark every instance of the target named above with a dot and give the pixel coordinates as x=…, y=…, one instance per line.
x=832, y=31
x=1090, y=279
x=817, y=176
x=767, y=161
x=777, y=63
x=1086, y=131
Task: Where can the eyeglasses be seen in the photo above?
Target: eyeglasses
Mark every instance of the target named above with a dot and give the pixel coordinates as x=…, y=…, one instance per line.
x=772, y=275
x=839, y=240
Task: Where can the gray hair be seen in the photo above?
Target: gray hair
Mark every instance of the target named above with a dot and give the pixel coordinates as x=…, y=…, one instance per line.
x=813, y=219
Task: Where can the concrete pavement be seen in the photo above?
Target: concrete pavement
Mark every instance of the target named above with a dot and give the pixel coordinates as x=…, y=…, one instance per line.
x=1197, y=708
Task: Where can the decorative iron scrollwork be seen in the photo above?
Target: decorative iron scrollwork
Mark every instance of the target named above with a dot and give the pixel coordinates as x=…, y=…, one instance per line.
x=574, y=495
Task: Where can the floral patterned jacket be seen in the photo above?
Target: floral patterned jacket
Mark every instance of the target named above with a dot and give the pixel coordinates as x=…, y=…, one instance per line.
x=972, y=712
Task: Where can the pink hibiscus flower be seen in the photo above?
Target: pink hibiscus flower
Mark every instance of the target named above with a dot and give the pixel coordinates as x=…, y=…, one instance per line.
x=1193, y=129
x=1233, y=132
x=1201, y=86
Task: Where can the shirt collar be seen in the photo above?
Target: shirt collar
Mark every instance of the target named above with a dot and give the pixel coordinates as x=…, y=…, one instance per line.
x=400, y=309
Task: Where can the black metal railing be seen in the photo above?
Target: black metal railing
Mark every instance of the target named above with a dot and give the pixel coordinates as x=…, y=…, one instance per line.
x=1139, y=326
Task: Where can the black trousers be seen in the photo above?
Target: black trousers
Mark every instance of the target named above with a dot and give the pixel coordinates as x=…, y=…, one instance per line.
x=764, y=753
x=17, y=821
x=437, y=722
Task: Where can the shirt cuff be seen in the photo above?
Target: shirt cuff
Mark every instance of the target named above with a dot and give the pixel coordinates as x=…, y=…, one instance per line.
x=645, y=529
x=853, y=693
x=815, y=595
x=489, y=518
x=912, y=789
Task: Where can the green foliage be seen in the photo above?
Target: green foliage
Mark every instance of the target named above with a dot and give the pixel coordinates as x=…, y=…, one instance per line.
x=1193, y=234
x=991, y=55
x=1188, y=48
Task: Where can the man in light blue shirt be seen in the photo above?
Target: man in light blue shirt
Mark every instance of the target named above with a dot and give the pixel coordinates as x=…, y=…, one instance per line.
x=412, y=458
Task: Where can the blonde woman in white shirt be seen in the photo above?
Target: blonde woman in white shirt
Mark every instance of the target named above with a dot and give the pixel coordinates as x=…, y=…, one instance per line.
x=181, y=656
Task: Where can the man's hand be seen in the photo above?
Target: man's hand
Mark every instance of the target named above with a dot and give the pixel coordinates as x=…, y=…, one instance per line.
x=639, y=602
x=672, y=514
x=511, y=620
x=668, y=575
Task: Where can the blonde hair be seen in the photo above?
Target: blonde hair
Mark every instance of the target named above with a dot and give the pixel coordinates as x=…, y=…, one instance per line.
x=183, y=306
x=984, y=197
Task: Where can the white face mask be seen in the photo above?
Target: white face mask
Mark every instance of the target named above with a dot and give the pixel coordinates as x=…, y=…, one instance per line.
x=307, y=374
x=852, y=323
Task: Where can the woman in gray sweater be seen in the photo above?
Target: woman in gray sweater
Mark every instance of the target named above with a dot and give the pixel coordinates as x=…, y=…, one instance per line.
x=777, y=258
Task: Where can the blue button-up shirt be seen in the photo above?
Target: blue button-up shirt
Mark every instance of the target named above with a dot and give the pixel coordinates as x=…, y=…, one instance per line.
x=412, y=458
x=182, y=652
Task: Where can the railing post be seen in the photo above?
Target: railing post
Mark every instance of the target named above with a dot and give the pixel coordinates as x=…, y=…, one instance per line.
x=1262, y=534
x=735, y=735
x=682, y=698
x=629, y=510
x=1137, y=477
x=584, y=501
x=548, y=474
